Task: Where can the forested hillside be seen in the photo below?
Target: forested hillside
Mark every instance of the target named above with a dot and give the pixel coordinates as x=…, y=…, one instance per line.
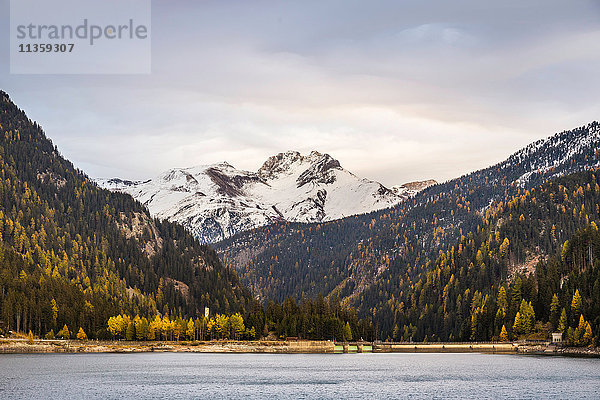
x=505, y=252
x=537, y=255
x=534, y=258
x=72, y=253
x=345, y=257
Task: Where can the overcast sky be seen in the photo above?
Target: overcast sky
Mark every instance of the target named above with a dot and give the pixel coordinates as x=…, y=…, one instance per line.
x=395, y=90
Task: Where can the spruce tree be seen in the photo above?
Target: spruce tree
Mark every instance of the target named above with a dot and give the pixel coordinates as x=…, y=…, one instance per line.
x=64, y=332
x=518, y=325
x=587, y=336
x=501, y=300
x=347, y=333
x=554, y=311
x=562, y=322
x=503, y=334
x=130, y=333
x=81, y=335
x=576, y=305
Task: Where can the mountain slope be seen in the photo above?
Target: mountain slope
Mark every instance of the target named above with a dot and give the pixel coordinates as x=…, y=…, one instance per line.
x=536, y=246
x=217, y=201
x=348, y=256
x=75, y=254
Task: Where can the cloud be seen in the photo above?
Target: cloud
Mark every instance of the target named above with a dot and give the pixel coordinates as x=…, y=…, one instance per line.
x=396, y=90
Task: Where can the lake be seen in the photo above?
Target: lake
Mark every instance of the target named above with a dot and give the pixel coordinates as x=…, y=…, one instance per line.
x=303, y=376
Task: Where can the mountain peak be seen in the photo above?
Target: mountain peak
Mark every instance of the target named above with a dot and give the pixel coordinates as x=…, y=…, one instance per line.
x=222, y=164
x=320, y=170
x=283, y=162
x=217, y=201
x=278, y=163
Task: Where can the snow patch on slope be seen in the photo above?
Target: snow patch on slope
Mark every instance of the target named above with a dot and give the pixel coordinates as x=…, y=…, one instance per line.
x=555, y=151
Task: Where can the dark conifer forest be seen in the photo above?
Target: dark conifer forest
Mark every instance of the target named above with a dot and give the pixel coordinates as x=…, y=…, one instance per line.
x=386, y=263
x=72, y=253
x=508, y=252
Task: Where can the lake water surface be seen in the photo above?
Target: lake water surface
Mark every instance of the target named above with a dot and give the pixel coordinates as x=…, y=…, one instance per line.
x=305, y=376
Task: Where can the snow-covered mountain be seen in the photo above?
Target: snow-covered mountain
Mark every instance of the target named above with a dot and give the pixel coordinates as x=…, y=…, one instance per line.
x=217, y=201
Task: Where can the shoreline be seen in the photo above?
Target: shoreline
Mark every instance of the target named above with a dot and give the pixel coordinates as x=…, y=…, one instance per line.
x=21, y=346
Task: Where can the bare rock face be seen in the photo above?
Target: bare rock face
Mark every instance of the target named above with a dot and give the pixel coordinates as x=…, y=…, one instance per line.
x=217, y=201
x=320, y=171
x=419, y=185
x=278, y=164
x=412, y=188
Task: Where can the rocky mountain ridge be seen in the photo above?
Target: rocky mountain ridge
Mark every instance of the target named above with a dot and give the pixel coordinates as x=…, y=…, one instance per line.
x=217, y=201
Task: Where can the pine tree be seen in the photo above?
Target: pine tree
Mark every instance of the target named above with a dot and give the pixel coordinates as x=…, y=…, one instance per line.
x=516, y=294
x=499, y=320
x=81, y=335
x=347, y=333
x=502, y=300
x=180, y=328
x=565, y=251
x=64, y=332
x=571, y=337
x=587, y=336
x=396, y=333
x=518, y=325
x=155, y=329
x=531, y=317
x=562, y=322
x=191, y=330
x=130, y=333
x=504, y=248
x=113, y=326
x=527, y=317
x=554, y=311
x=141, y=328
x=576, y=304
x=251, y=333
x=503, y=334
x=237, y=325
x=54, y=308
x=221, y=326
x=582, y=324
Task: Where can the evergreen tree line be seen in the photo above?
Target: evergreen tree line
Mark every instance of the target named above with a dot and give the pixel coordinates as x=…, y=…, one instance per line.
x=532, y=267
x=72, y=253
x=317, y=320
x=431, y=268
x=344, y=257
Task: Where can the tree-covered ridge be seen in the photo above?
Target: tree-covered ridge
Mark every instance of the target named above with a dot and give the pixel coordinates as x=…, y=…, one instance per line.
x=533, y=256
x=310, y=319
x=347, y=256
x=72, y=253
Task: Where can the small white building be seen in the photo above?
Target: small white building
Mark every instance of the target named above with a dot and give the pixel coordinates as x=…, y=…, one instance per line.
x=557, y=337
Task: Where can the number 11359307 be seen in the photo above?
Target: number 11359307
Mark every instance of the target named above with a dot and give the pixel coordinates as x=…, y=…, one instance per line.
x=46, y=48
